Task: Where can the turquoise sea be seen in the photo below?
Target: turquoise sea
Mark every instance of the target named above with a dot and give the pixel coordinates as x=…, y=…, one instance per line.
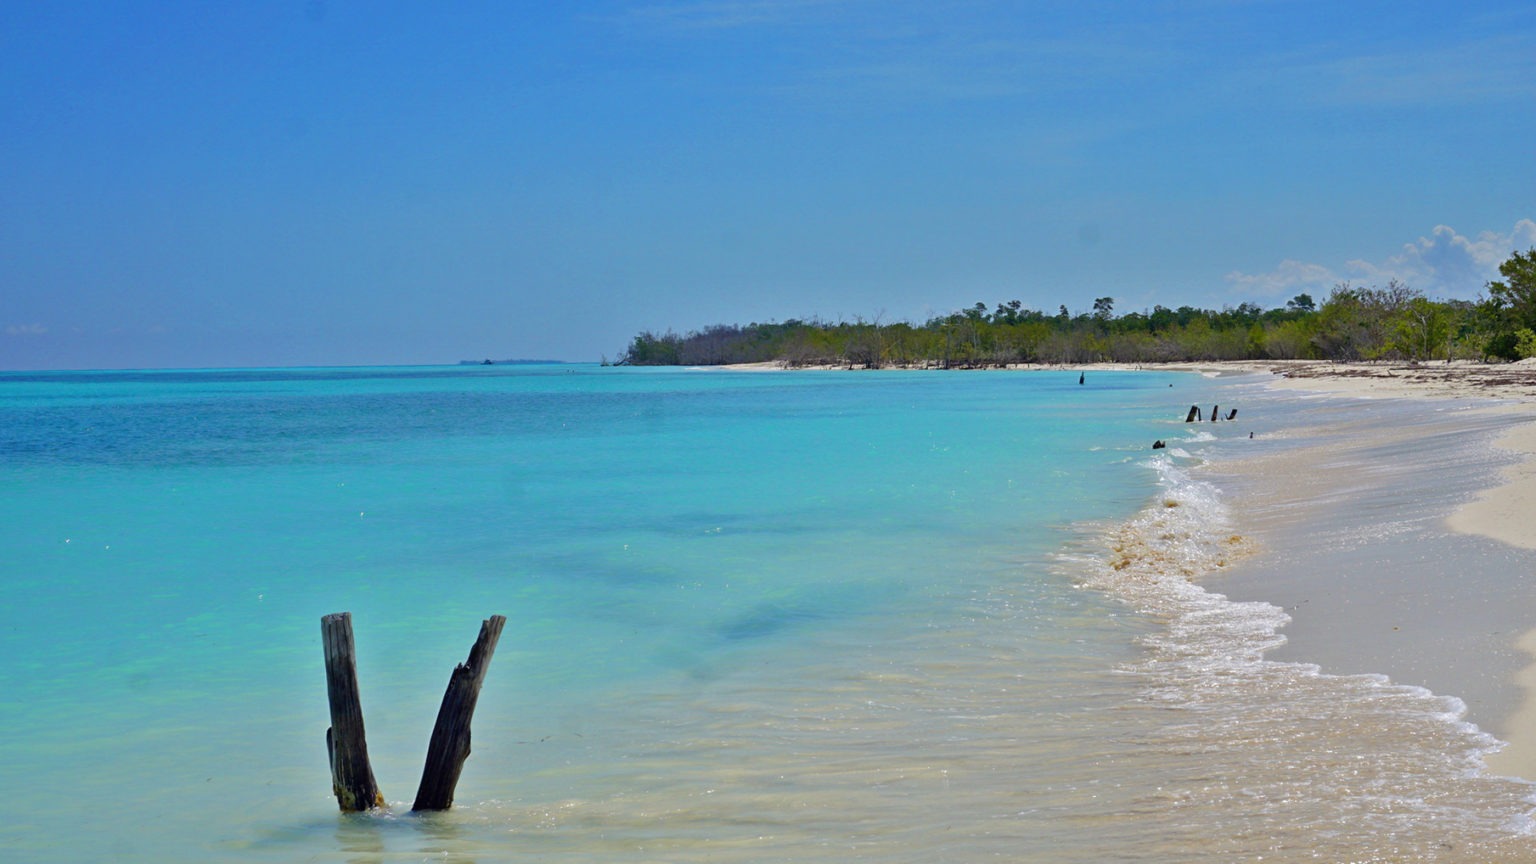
x=895, y=616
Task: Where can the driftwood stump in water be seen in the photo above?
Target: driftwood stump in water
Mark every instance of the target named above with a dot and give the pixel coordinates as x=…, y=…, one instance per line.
x=450, y=737
x=345, y=742
x=1193, y=415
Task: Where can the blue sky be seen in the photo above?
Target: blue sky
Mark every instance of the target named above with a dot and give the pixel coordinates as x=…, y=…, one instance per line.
x=316, y=182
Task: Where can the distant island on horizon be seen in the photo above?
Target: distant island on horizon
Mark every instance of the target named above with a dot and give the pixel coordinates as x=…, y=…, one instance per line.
x=515, y=362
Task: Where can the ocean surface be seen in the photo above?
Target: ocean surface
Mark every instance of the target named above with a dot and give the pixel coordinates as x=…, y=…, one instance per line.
x=820, y=616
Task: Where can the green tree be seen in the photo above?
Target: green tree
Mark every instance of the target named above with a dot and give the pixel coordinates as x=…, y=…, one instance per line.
x=1423, y=329
x=1525, y=342
x=1516, y=292
x=1341, y=324
x=1288, y=340
x=1360, y=323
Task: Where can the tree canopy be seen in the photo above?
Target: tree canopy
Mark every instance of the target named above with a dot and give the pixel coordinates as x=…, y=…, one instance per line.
x=1394, y=322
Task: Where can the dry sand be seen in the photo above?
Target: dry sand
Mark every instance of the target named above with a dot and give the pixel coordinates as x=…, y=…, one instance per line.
x=1505, y=513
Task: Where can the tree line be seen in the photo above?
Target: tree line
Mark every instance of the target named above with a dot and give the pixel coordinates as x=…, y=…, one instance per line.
x=1394, y=322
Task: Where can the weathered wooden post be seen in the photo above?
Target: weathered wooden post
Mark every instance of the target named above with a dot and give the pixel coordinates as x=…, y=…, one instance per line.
x=450, y=737
x=1193, y=415
x=345, y=742
x=1215, y=413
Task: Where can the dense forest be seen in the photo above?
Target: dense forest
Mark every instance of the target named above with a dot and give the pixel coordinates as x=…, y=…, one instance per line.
x=1395, y=322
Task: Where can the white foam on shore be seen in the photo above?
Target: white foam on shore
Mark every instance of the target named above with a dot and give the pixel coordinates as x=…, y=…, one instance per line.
x=1318, y=752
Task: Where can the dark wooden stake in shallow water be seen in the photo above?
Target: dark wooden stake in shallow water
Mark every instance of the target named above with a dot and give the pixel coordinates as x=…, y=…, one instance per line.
x=450, y=736
x=351, y=775
x=346, y=743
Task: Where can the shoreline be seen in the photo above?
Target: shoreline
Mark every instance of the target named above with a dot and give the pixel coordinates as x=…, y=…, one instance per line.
x=1367, y=379
x=1449, y=637
x=1487, y=652
x=1485, y=657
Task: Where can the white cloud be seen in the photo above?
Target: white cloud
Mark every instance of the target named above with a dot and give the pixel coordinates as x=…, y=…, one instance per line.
x=25, y=330
x=1444, y=264
x=1290, y=276
x=1449, y=263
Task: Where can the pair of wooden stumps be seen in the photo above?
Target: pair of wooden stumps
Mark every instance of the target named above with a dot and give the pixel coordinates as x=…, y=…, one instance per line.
x=351, y=774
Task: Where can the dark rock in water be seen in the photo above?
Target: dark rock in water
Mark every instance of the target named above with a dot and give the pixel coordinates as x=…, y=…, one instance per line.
x=1158, y=445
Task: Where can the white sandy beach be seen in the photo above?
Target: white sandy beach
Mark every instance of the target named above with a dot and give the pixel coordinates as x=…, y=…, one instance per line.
x=1507, y=512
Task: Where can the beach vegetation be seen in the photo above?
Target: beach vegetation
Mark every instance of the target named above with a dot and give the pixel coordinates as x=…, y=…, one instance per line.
x=1515, y=294
x=1301, y=303
x=1104, y=308
x=1503, y=346
x=1525, y=343
x=1395, y=323
x=1423, y=330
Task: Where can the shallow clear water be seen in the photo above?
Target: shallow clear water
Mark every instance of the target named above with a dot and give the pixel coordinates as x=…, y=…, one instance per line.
x=894, y=616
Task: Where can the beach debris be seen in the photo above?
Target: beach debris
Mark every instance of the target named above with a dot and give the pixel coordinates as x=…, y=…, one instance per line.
x=346, y=742
x=1081, y=376
x=1215, y=413
x=1158, y=444
x=1232, y=415
x=1194, y=414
